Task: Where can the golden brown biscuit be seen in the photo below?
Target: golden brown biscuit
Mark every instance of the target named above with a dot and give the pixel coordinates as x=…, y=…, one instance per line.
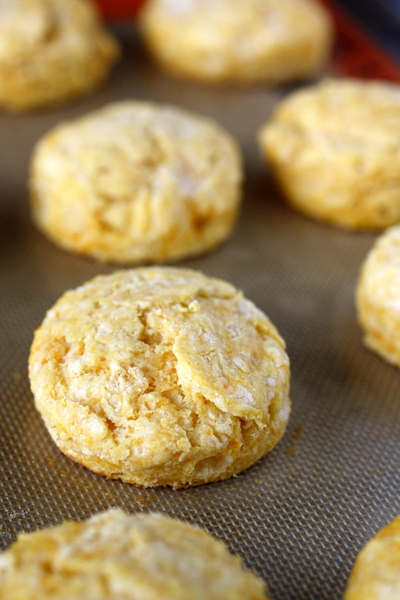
x=378, y=296
x=376, y=573
x=50, y=51
x=115, y=556
x=160, y=376
x=137, y=182
x=226, y=40
x=334, y=149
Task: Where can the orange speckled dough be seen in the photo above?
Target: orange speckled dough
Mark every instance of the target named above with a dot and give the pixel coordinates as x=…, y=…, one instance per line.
x=160, y=376
x=243, y=42
x=137, y=182
x=376, y=573
x=51, y=51
x=115, y=556
x=378, y=296
x=334, y=149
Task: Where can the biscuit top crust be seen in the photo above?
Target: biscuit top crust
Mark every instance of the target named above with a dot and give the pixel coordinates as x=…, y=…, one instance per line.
x=31, y=29
x=115, y=556
x=24, y=24
x=246, y=28
x=151, y=365
x=376, y=573
x=380, y=274
x=136, y=143
x=337, y=116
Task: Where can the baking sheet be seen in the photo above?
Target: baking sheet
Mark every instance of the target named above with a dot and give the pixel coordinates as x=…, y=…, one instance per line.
x=301, y=514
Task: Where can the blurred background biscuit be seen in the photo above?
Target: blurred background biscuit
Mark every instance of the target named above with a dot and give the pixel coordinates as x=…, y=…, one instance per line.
x=378, y=296
x=116, y=556
x=51, y=51
x=160, y=376
x=376, y=572
x=269, y=41
x=334, y=150
x=137, y=182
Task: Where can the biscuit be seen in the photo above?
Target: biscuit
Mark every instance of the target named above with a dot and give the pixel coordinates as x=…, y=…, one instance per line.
x=378, y=296
x=160, y=376
x=376, y=573
x=51, y=51
x=137, y=182
x=244, y=42
x=116, y=556
x=334, y=151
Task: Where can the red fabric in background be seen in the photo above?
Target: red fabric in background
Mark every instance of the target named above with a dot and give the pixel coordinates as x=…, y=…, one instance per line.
x=114, y=10
x=356, y=54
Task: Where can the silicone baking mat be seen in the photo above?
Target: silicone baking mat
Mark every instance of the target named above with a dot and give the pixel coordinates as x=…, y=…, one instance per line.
x=301, y=514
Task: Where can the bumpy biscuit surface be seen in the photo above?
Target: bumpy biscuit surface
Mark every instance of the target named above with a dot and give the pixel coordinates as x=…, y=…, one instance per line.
x=50, y=51
x=376, y=573
x=226, y=40
x=378, y=296
x=334, y=149
x=137, y=182
x=160, y=376
x=115, y=556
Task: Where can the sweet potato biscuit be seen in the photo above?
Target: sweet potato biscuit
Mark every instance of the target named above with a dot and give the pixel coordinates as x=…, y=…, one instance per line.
x=160, y=376
x=378, y=296
x=335, y=151
x=115, y=556
x=376, y=573
x=227, y=40
x=50, y=51
x=137, y=182
x=268, y=41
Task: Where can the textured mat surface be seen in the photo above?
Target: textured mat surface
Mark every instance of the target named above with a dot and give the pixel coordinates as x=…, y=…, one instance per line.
x=300, y=515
